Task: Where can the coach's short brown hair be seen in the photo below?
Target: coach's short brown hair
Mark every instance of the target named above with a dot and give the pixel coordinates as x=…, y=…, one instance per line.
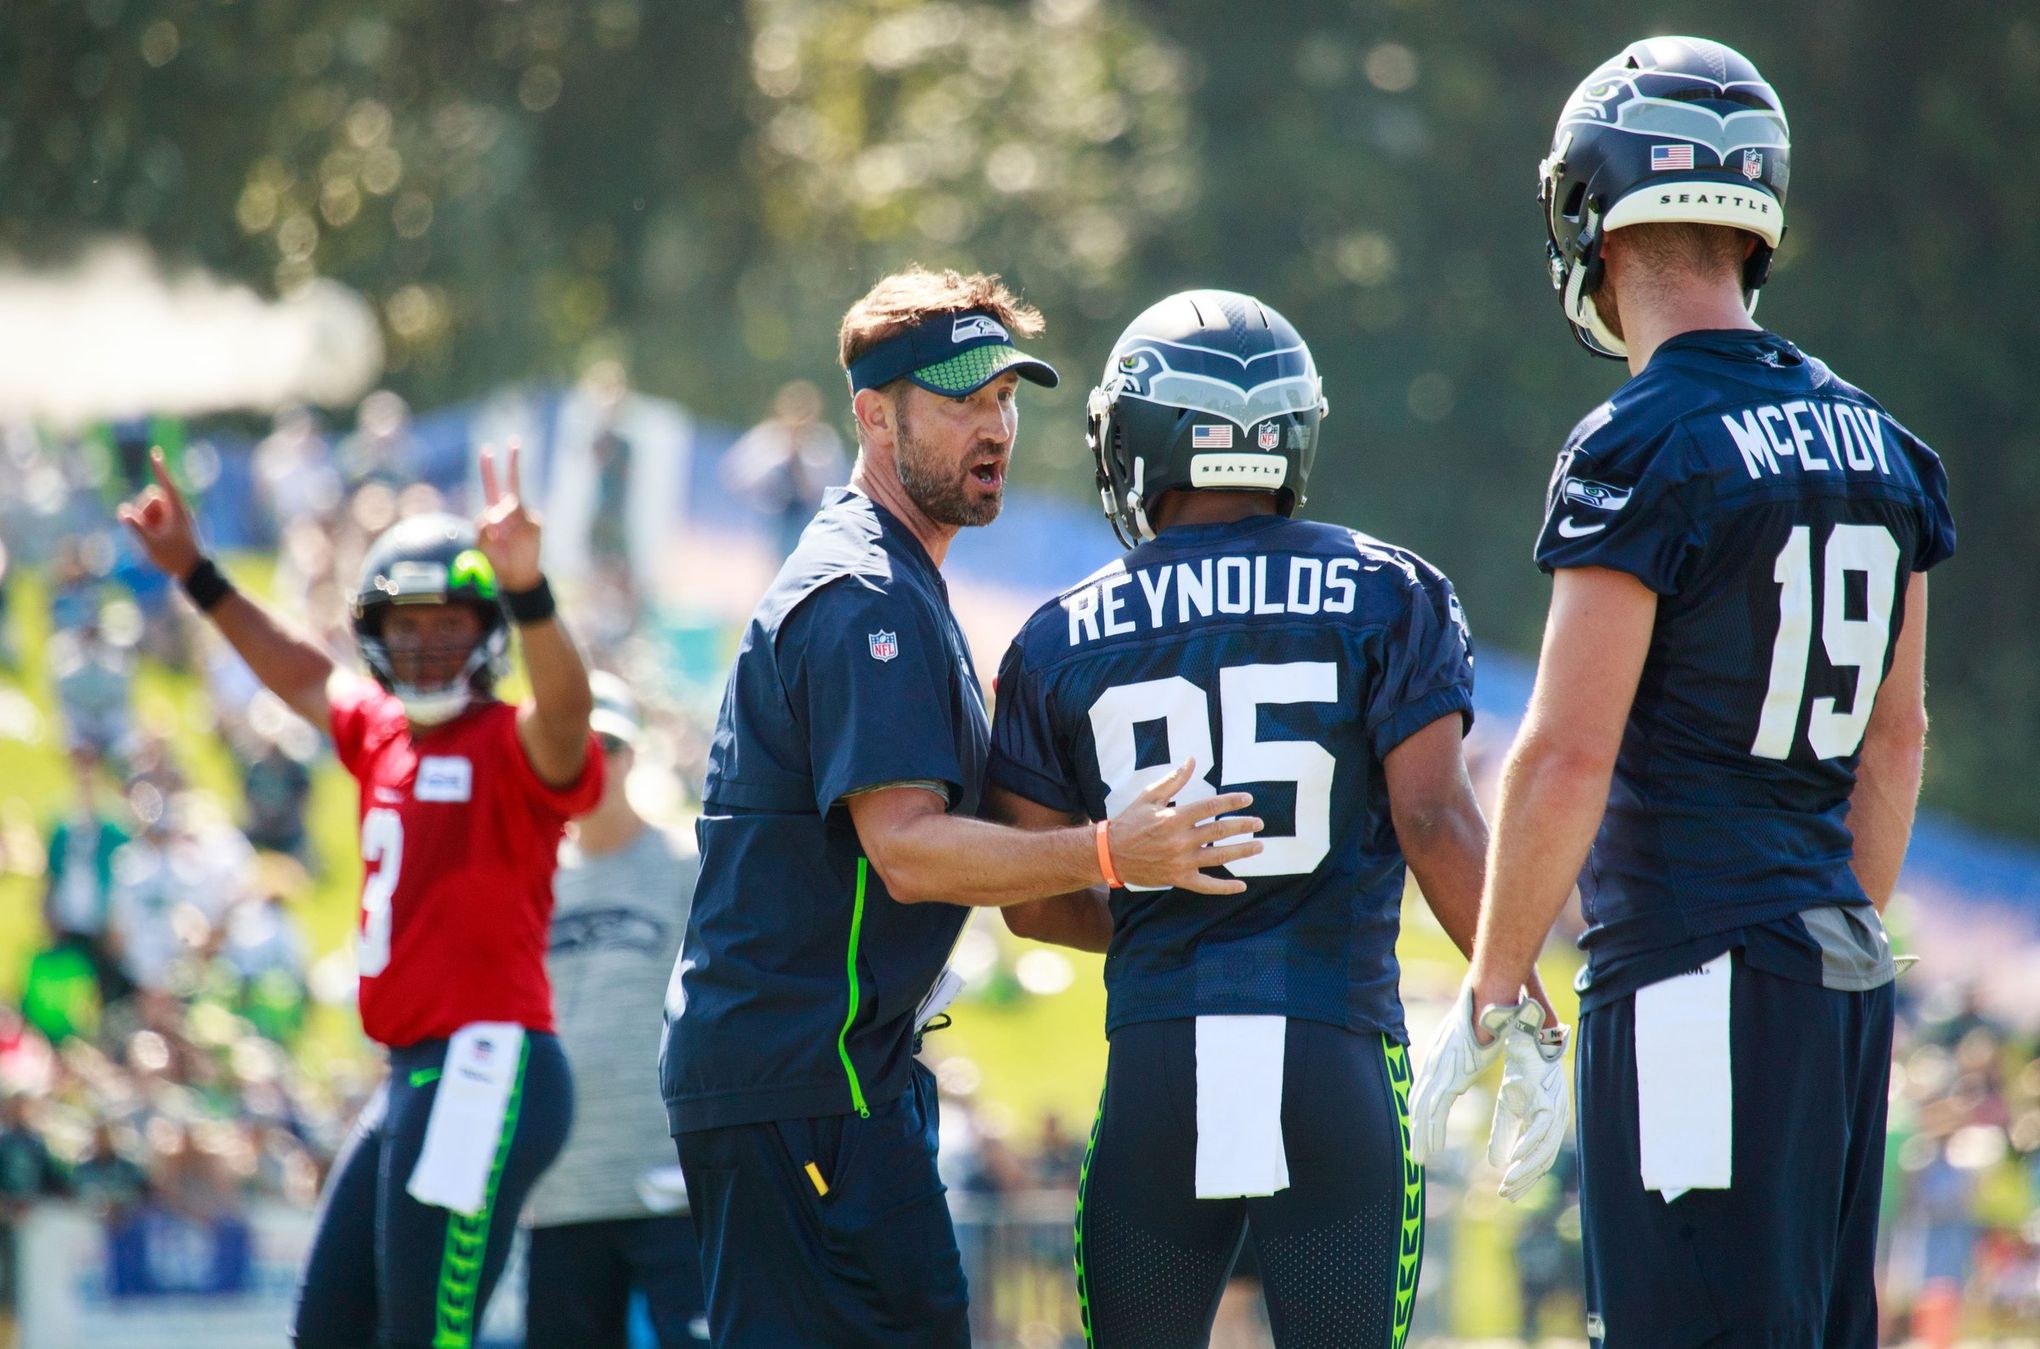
x=909, y=298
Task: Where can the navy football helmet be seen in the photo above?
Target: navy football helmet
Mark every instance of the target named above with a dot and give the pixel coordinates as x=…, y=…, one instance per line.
x=431, y=559
x=1207, y=389
x=1673, y=129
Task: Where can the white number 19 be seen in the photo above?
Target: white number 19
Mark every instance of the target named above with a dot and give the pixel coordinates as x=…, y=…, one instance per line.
x=1854, y=642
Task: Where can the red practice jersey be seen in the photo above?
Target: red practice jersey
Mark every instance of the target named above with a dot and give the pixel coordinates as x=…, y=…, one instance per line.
x=459, y=838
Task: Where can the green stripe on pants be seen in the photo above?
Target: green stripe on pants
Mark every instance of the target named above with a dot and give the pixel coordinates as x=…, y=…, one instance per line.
x=1083, y=1184
x=1410, y=1258
x=467, y=1239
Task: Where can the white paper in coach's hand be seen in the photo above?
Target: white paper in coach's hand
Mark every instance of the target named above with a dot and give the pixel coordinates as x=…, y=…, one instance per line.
x=947, y=985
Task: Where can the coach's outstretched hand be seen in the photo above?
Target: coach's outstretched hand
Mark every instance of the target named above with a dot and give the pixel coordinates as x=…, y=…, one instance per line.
x=1156, y=844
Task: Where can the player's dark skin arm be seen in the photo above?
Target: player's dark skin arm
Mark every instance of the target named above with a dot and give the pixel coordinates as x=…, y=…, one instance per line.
x=1555, y=783
x=1443, y=835
x=1082, y=918
x=553, y=726
x=927, y=855
x=1893, y=758
x=289, y=664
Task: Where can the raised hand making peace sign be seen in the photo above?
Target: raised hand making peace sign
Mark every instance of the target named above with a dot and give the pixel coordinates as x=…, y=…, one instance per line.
x=509, y=534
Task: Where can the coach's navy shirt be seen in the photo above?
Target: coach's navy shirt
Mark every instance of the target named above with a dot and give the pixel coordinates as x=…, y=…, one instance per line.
x=799, y=975
x=1778, y=513
x=1289, y=658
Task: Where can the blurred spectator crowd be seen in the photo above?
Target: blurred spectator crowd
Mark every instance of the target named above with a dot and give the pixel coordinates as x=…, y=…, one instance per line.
x=160, y=1062
x=162, y=1058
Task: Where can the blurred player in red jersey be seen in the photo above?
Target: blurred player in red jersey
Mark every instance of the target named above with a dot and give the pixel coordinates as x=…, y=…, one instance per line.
x=463, y=801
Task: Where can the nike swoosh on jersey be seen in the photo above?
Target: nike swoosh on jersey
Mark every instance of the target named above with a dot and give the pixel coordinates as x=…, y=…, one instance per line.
x=1572, y=530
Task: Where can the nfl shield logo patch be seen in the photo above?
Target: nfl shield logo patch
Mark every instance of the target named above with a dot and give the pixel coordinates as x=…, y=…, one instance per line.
x=1269, y=436
x=1752, y=165
x=884, y=645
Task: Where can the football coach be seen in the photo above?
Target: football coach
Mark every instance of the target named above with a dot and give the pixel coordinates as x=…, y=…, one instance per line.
x=841, y=855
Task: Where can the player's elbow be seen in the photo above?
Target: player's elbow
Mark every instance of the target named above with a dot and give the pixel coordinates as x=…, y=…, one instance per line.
x=1896, y=730
x=1562, y=763
x=1026, y=920
x=907, y=879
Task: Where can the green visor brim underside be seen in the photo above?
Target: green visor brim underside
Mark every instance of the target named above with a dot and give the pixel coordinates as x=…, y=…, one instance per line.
x=969, y=371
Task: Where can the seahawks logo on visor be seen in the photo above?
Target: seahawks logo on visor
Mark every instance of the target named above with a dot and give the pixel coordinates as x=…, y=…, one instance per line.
x=972, y=326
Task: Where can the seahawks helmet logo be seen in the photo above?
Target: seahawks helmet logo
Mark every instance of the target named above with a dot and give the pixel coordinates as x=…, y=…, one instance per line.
x=1265, y=387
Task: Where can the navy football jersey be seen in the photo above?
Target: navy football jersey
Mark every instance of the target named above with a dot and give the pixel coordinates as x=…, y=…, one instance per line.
x=1288, y=658
x=799, y=974
x=1778, y=512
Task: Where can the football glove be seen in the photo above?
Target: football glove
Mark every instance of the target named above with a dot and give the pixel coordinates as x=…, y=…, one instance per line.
x=1450, y=1066
x=1533, y=1108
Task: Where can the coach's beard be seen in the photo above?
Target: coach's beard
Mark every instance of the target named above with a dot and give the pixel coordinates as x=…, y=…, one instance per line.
x=950, y=493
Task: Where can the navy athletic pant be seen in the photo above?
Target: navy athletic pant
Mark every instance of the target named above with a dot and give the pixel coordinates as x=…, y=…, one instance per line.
x=1338, y=1250
x=1785, y=1257
x=828, y=1233
x=387, y=1272
x=581, y=1276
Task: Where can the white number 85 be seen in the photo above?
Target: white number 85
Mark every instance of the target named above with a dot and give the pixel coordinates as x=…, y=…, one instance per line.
x=1185, y=710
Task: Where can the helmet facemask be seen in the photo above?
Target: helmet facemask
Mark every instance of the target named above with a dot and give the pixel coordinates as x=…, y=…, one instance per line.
x=439, y=701
x=432, y=559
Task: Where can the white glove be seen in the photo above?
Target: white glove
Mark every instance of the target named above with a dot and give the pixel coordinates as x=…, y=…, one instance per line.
x=1533, y=1108
x=1450, y=1066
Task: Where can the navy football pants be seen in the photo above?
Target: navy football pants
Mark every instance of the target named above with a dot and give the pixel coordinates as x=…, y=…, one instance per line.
x=1338, y=1250
x=871, y=1263
x=1784, y=1258
x=388, y=1272
x=582, y=1276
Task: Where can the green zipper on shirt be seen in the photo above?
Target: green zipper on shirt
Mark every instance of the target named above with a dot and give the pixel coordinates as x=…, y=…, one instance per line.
x=842, y=1036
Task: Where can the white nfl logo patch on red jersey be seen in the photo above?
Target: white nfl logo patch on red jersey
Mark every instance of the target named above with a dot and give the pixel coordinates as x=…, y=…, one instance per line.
x=884, y=645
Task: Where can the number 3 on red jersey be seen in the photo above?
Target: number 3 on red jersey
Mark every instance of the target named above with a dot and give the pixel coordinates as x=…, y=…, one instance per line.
x=382, y=847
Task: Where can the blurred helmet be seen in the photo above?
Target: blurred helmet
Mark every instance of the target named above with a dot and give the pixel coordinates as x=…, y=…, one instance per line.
x=1209, y=389
x=431, y=559
x=1673, y=129
x=616, y=712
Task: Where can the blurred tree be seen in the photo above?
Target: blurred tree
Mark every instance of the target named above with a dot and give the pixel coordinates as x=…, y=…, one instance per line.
x=523, y=186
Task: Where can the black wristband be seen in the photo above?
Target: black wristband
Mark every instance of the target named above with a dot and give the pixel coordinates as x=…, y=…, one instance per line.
x=530, y=606
x=206, y=586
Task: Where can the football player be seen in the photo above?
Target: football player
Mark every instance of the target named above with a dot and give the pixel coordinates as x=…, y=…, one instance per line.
x=1726, y=729
x=841, y=849
x=1257, y=1078
x=463, y=802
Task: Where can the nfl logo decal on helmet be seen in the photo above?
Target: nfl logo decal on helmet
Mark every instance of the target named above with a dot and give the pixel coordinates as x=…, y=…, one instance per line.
x=1672, y=129
x=1191, y=378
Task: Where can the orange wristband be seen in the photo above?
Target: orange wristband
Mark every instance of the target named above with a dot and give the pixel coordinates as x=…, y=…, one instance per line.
x=1112, y=880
